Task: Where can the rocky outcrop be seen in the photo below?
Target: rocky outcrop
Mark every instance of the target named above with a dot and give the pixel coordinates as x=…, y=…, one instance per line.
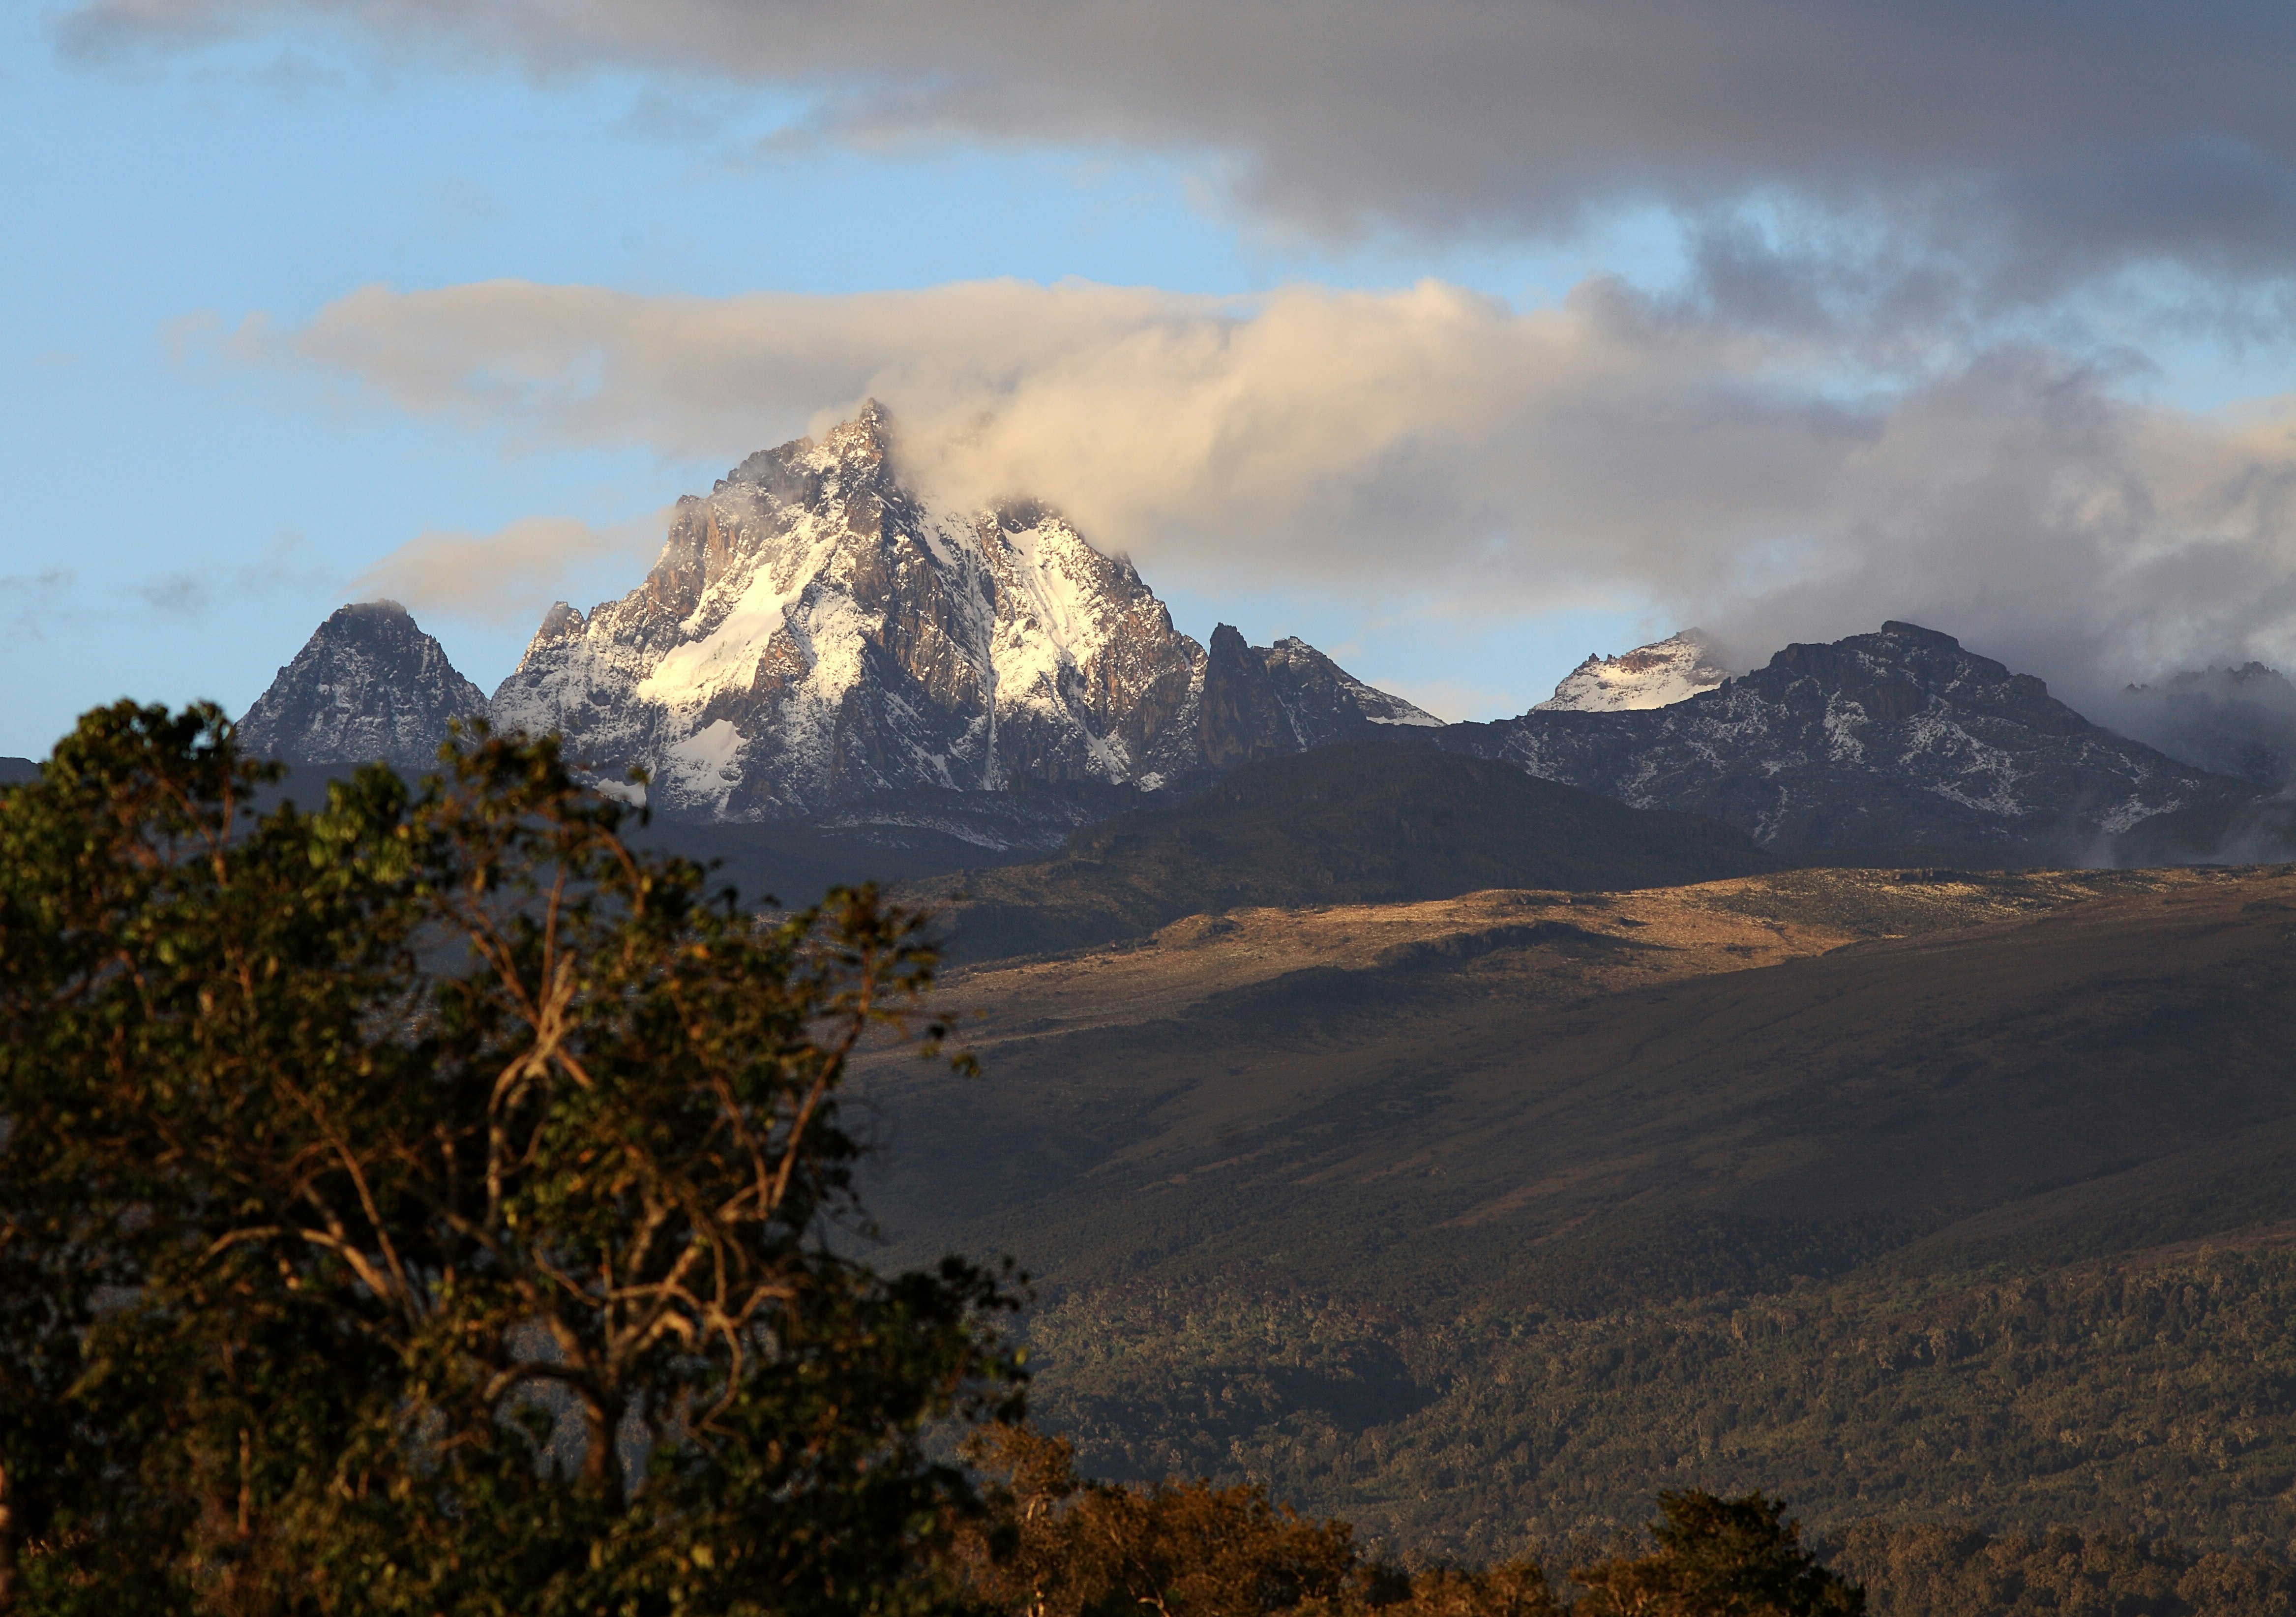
x=368, y=686
x=813, y=634
x=1894, y=741
x=1267, y=702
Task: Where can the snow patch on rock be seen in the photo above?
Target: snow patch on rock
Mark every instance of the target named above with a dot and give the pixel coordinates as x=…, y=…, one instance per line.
x=1655, y=676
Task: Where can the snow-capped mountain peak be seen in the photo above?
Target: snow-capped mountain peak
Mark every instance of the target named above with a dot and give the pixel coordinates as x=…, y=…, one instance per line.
x=813, y=632
x=1655, y=676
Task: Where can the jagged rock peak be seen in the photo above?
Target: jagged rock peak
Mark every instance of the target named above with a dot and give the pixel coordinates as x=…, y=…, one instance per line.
x=561, y=622
x=368, y=685
x=856, y=447
x=1655, y=676
x=1264, y=701
x=814, y=632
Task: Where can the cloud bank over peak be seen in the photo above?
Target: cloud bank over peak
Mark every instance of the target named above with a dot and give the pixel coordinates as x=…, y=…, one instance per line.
x=2019, y=149
x=506, y=578
x=1427, y=441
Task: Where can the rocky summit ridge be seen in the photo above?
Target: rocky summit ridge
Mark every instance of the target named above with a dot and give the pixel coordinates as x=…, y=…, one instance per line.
x=813, y=634
x=1897, y=741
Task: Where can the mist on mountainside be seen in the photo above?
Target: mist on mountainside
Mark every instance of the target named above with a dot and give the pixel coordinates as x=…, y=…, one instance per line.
x=2236, y=722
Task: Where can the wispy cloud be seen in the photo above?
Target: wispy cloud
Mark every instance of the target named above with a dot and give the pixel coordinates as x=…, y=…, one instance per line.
x=178, y=594
x=30, y=600
x=289, y=562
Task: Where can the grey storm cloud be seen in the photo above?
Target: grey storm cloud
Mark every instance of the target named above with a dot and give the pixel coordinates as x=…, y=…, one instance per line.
x=2023, y=147
x=1423, y=440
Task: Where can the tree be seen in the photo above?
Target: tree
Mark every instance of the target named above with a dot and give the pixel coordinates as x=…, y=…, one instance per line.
x=1718, y=1557
x=430, y=1203
x=1058, y=1546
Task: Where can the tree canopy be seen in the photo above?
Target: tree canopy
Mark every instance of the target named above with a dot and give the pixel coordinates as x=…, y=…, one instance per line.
x=1057, y=1545
x=431, y=1202
x=1713, y=1556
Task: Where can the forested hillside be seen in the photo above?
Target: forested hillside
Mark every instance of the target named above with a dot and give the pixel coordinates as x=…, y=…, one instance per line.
x=2154, y=1395
x=1935, y=1570
x=1910, y=1196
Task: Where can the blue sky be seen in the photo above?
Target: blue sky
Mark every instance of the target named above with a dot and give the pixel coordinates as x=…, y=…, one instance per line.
x=181, y=517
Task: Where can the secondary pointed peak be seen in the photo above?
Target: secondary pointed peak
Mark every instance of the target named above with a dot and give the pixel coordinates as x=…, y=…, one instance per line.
x=368, y=684
x=865, y=434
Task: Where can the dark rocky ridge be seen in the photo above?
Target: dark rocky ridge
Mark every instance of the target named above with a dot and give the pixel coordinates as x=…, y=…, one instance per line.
x=1269, y=702
x=1901, y=740
x=368, y=685
x=1375, y=819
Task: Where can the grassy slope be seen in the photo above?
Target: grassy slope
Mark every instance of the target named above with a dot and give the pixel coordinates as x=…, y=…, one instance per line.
x=1479, y=1265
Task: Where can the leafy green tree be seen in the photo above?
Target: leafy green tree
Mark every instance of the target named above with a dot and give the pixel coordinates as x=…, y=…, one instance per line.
x=1718, y=1557
x=432, y=1204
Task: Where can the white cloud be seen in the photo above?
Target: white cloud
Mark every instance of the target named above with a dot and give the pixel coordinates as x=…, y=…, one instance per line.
x=508, y=577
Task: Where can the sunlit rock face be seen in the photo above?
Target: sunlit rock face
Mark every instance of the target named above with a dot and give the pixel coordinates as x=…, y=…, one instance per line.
x=1890, y=740
x=1655, y=676
x=813, y=633
x=369, y=687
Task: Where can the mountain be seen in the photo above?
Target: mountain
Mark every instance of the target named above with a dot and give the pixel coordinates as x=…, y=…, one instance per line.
x=1655, y=676
x=812, y=632
x=1377, y=819
x=2237, y=721
x=1912, y=1195
x=368, y=685
x=1900, y=741
x=813, y=638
